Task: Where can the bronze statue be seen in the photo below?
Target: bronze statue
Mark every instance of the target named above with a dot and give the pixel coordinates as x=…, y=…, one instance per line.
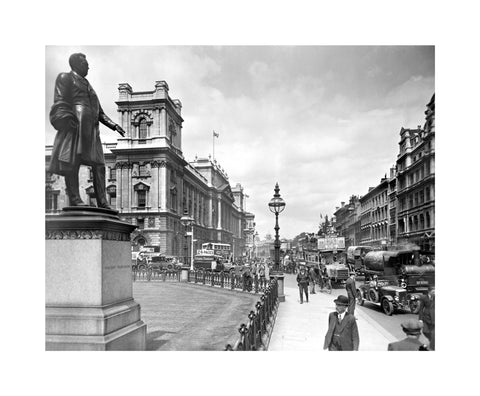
x=75, y=114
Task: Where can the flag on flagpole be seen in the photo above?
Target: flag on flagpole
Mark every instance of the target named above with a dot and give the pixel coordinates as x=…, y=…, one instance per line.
x=216, y=134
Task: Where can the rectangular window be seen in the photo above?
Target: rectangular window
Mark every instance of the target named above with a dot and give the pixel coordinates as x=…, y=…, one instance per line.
x=141, y=223
x=113, y=174
x=113, y=200
x=427, y=194
x=427, y=168
x=142, y=199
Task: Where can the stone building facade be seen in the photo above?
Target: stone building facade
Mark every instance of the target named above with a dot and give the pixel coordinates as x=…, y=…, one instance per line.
x=151, y=184
x=401, y=208
x=416, y=184
x=375, y=215
x=347, y=221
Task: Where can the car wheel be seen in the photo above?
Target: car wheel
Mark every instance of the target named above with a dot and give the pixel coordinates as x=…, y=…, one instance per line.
x=359, y=297
x=414, y=306
x=169, y=267
x=387, y=307
x=373, y=295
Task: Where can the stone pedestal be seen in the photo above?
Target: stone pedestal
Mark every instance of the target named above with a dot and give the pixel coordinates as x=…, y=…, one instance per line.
x=184, y=274
x=280, y=283
x=88, y=283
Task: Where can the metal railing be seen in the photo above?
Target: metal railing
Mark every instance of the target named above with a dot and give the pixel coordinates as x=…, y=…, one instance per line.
x=228, y=280
x=221, y=279
x=255, y=335
x=148, y=275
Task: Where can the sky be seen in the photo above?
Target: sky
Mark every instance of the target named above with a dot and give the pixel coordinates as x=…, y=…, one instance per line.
x=322, y=121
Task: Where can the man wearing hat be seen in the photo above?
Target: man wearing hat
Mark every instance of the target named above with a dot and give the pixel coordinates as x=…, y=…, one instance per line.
x=342, y=334
x=302, y=280
x=351, y=288
x=412, y=328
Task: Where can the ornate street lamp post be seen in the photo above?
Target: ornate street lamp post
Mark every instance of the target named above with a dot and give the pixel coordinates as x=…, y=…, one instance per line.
x=276, y=205
x=188, y=221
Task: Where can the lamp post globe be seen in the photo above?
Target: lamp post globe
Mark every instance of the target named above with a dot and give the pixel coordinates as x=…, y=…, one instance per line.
x=276, y=206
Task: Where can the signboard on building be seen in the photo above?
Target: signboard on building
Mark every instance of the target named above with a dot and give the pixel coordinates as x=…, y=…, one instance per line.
x=285, y=245
x=331, y=243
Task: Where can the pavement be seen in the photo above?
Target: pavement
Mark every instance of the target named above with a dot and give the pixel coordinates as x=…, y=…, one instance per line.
x=302, y=327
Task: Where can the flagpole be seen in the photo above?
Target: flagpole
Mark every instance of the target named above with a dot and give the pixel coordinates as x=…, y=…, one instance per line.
x=213, y=143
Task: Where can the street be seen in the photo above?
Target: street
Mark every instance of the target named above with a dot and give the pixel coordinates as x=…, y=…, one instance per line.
x=389, y=323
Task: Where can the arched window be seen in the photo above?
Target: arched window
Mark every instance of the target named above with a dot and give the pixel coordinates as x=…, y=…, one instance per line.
x=142, y=129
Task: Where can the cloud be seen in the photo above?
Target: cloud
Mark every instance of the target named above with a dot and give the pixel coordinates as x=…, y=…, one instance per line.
x=323, y=122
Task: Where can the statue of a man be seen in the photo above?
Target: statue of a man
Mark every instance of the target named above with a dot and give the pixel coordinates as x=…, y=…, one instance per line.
x=75, y=114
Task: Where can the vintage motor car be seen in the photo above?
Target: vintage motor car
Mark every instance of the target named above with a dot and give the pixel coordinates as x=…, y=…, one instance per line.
x=395, y=276
x=384, y=292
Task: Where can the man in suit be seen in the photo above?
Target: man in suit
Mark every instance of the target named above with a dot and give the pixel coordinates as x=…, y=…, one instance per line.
x=75, y=114
x=351, y=288
x=302, y=281
x=313, y=277
x=426, y=315
x=342, y=334
x=412, y=328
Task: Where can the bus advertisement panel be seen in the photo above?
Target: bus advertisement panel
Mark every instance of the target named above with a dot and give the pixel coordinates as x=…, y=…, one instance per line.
x=331, y=243
x=220, y=249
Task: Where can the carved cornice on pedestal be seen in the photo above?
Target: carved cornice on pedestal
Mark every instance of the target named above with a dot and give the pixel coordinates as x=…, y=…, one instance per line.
x=88, y=234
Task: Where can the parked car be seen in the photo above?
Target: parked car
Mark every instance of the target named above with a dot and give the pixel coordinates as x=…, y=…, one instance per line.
x=385, y=293
x=395, y=279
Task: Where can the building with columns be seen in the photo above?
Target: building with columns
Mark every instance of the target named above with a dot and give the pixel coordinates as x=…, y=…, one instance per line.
x=152, y=185
x=401, y=209
x=416, y=184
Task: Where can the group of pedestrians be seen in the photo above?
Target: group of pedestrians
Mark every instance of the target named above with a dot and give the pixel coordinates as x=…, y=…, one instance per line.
x=342, y=333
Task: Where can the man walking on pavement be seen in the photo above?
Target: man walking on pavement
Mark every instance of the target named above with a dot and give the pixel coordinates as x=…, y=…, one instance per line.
x=426, y=315
x=351, y=288
x=412, y=328
x=302, y=281
x=313, y=276
x=342, y=334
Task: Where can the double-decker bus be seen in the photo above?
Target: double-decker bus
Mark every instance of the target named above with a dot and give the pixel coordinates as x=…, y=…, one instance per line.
x=219, y=249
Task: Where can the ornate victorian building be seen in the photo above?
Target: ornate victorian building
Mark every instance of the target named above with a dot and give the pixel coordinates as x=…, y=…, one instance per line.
x=416, y=183
x=401, y=209
x=152, y=186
